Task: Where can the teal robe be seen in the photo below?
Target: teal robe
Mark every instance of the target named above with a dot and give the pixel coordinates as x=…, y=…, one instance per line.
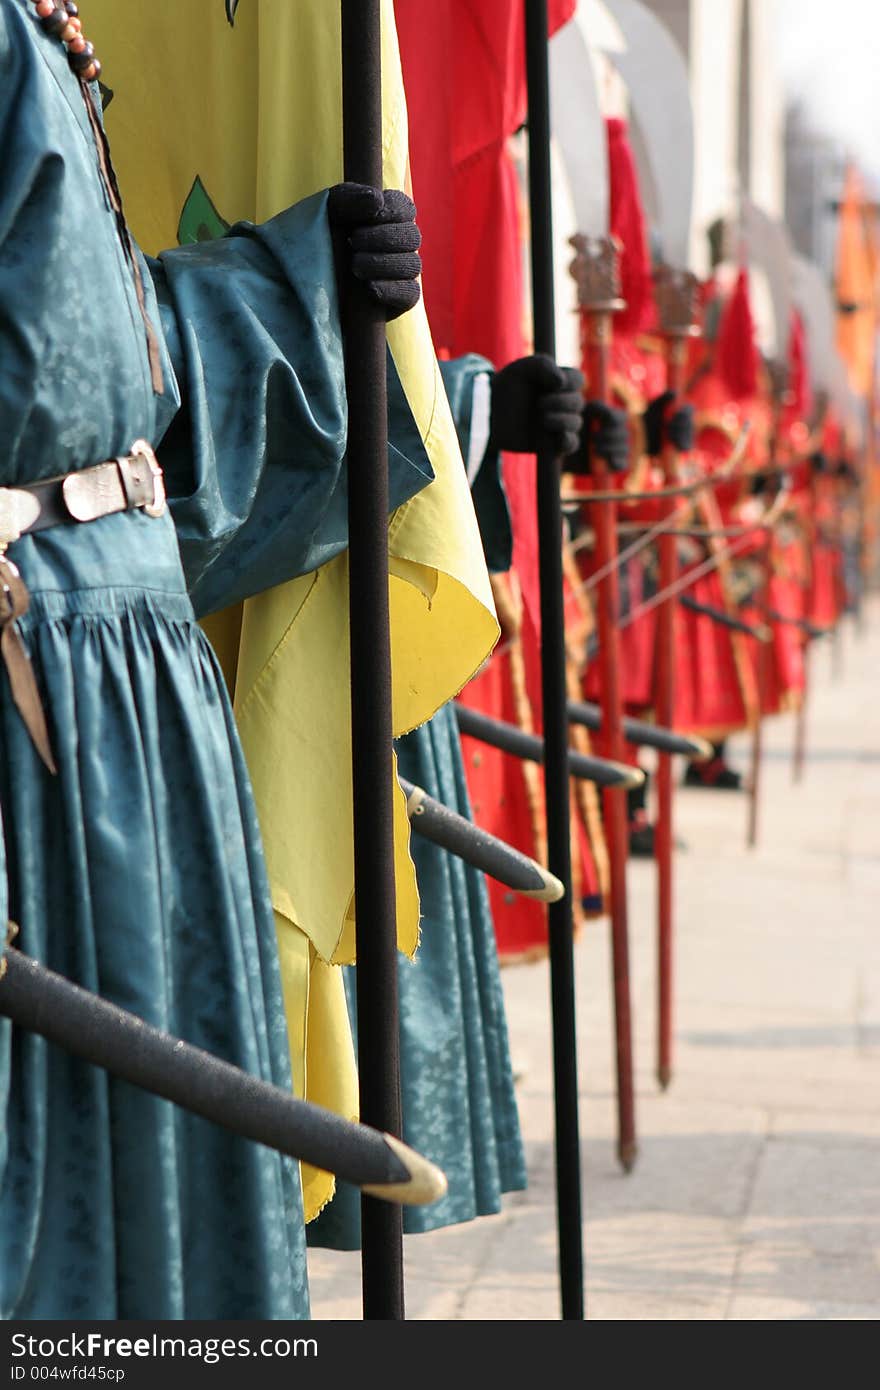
x=137, y=871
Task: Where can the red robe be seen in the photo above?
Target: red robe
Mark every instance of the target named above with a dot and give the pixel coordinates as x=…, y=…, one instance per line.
x=464, y=73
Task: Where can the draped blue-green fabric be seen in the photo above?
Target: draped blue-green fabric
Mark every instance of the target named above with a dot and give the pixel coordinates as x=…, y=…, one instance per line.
x=459, y=1106
x=137, y=870
x=251, y=322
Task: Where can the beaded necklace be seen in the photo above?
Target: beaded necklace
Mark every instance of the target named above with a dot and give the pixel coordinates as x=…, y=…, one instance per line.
x=61, y=19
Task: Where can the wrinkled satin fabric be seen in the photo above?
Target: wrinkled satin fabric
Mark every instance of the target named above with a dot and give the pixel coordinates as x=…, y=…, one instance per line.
x=137, y=871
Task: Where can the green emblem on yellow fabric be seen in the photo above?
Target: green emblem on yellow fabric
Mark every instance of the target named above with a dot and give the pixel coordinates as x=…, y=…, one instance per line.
x=199, y=220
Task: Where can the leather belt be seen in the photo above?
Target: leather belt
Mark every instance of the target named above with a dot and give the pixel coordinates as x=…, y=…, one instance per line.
x=119, y=485
x=122, y=484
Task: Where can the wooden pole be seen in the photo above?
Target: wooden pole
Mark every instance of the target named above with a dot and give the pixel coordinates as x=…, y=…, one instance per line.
x=598, y=313
x=778, y=379
x=676, y=304
x=761, y=597
x=811, y=539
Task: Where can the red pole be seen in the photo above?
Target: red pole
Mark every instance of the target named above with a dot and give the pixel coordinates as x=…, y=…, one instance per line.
x=676, y=304
x=763, y=677
x=778, y=379
x=810, y=542
x=665, y=714
x=614, y=806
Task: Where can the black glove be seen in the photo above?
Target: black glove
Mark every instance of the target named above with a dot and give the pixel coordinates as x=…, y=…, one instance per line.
x=377, y=233
x=537, y=406
x=676, y=429
x=768, y=484
x=820, y=462
x=606, y=436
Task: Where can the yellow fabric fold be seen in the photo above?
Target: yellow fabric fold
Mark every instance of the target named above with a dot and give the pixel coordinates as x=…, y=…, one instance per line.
x=250, y=118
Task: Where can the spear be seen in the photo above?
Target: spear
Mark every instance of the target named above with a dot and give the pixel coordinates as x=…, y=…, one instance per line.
x=714, y=561
x=101, y=1033
x=809, y=630
x=553, y=684
x=728, y=620
x=657, y=78
x=371, y=724
x=459, y=836
x=530, y=748
x=580, y=131
x=640, y=733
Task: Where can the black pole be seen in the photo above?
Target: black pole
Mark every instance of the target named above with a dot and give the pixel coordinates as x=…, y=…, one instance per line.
x=459, y=836
x=510, y=738
x=724, y=619
x=367, y=456
x=568, y=1174
x=640, y=733
x=100, y=1032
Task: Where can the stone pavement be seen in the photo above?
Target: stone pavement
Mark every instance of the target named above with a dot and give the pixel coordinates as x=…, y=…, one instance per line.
x=757, y=1190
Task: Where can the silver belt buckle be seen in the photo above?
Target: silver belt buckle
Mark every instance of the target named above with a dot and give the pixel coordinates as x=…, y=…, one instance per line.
x=144, y=449
x=18, y=511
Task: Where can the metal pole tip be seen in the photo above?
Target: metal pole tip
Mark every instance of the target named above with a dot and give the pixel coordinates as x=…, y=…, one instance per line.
x=703, y=749
x=553, y=890
x=426, y=1183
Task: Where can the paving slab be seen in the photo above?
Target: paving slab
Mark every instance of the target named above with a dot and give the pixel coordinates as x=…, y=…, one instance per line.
x=756, y=1195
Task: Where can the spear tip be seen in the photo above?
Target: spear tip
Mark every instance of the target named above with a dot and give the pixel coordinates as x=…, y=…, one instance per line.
x=423, y=1184
x=552, y=889
x=630, y=777
x=703, y=749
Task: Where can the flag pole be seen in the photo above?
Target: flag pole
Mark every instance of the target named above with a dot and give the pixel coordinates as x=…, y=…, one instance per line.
x=556, y=785
x=367, y=458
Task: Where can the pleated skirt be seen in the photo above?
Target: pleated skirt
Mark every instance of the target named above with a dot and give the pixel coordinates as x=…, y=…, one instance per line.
x=137, y=872
x=457, y=1085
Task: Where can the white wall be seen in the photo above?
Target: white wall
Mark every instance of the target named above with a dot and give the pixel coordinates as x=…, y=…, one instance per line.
x=714, y=46
x=768, y=112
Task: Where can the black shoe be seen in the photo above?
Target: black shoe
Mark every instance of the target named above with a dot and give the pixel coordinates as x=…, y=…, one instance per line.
x=641, y=840
x=712, y=774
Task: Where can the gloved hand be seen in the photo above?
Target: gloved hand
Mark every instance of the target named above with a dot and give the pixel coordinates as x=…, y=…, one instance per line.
x=605, y=435
x=676, y=428
x=536, y=406
x=820, y=462
x=768, y=484
x=377, y=233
